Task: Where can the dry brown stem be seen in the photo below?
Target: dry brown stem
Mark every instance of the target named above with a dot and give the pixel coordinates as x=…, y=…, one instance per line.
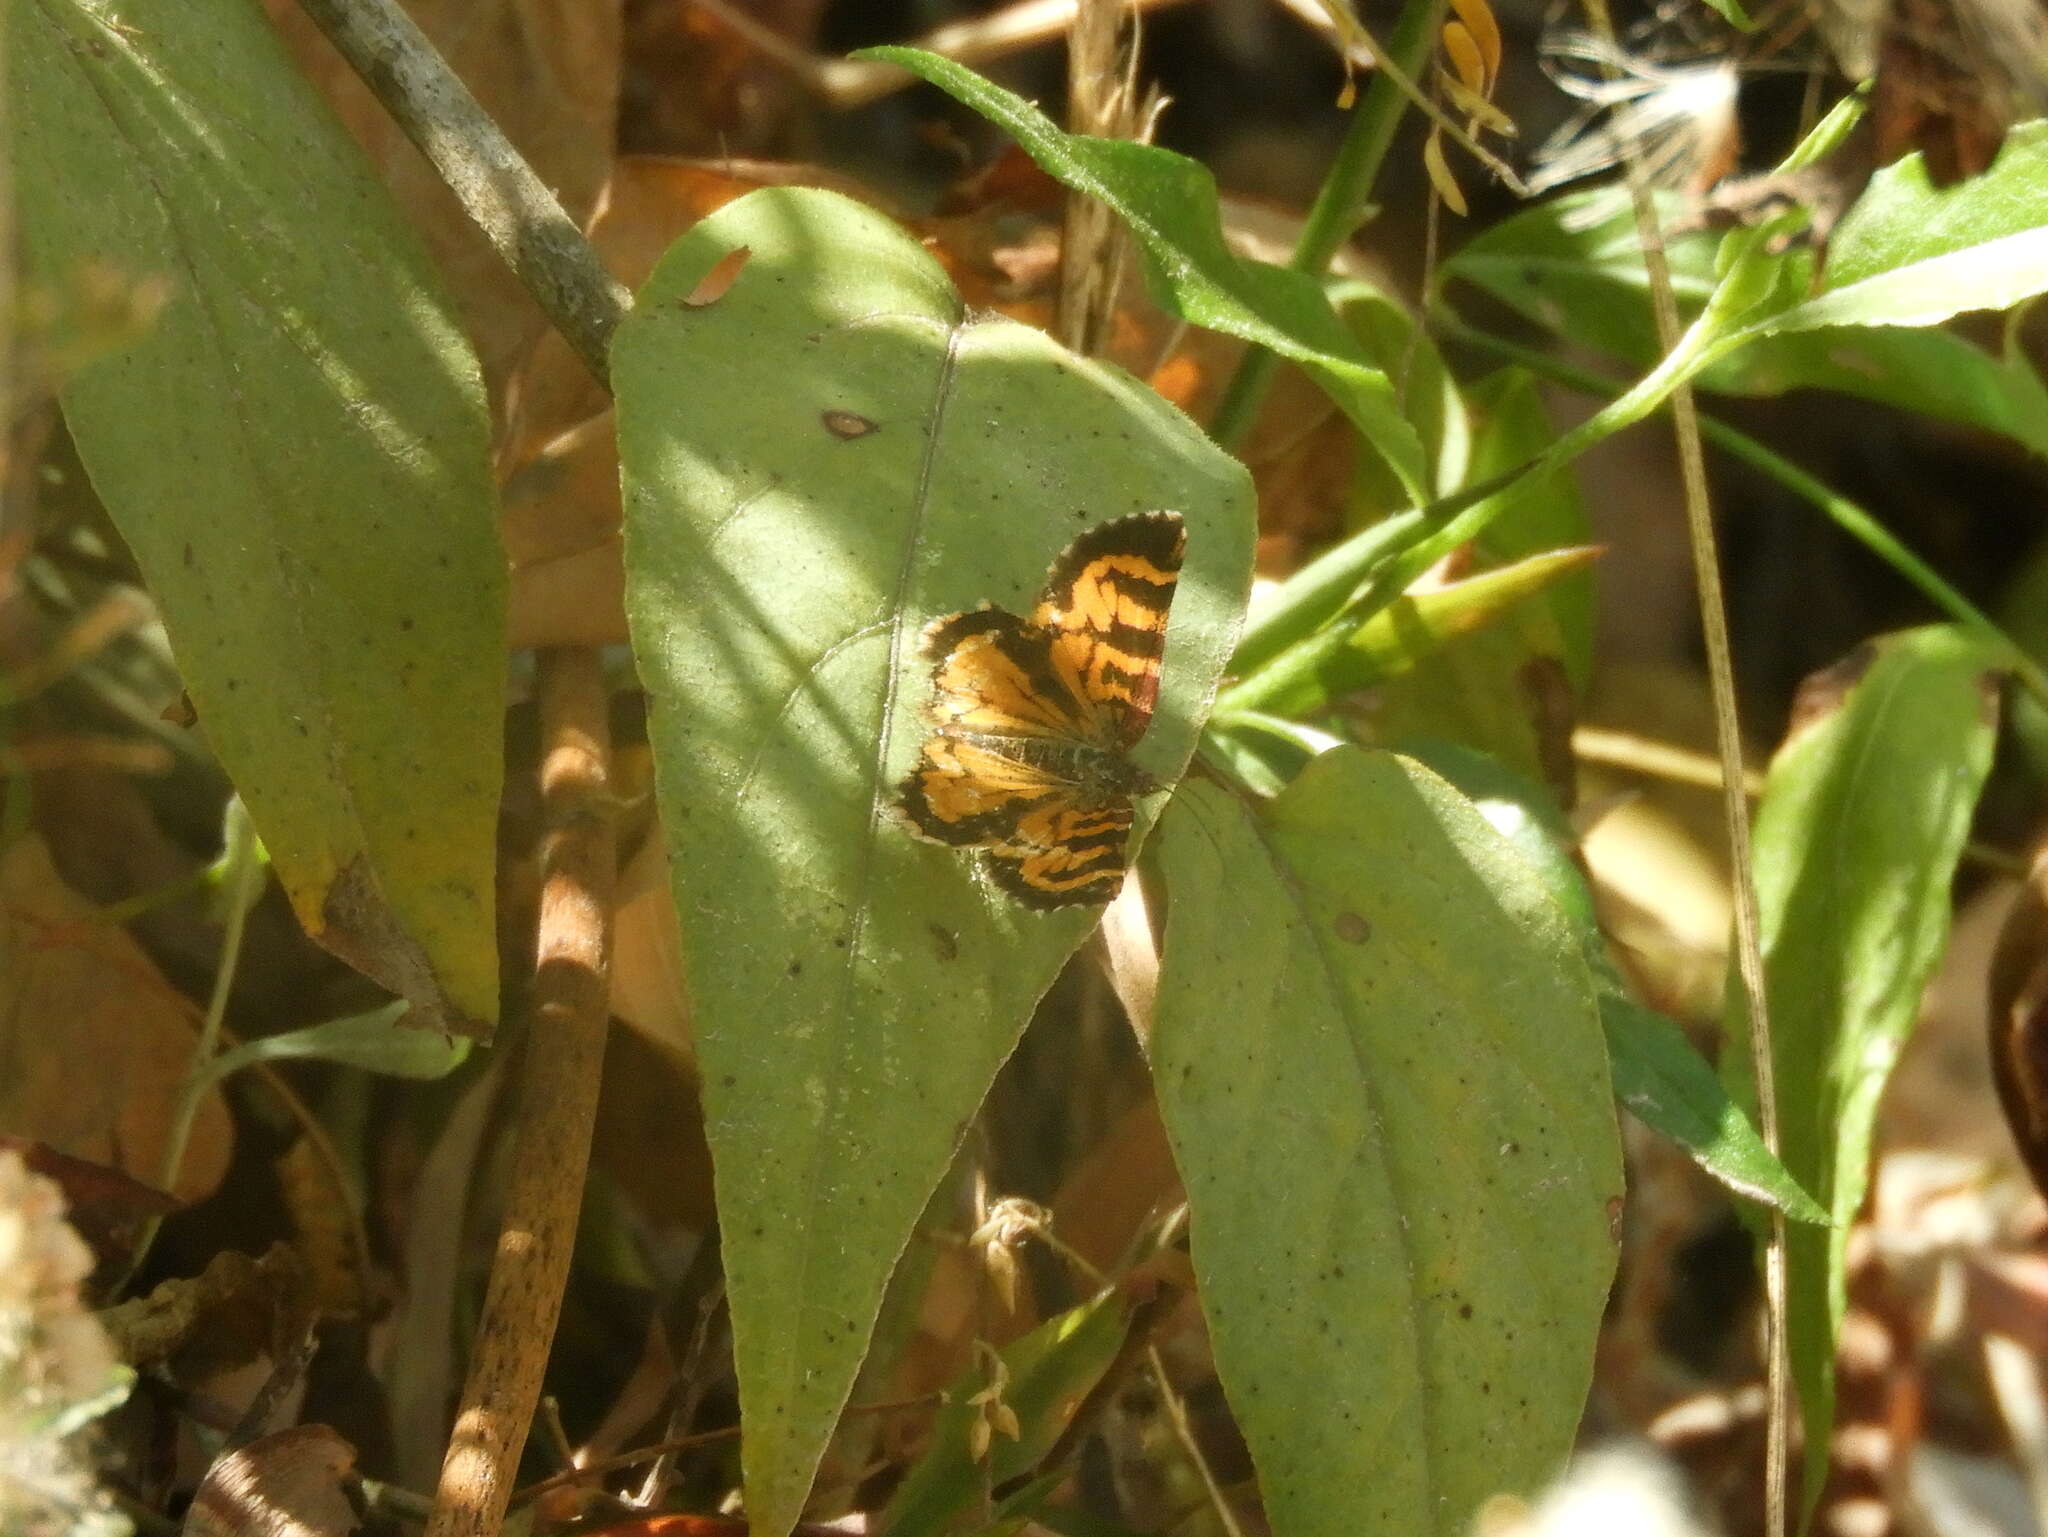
x=558, y=1079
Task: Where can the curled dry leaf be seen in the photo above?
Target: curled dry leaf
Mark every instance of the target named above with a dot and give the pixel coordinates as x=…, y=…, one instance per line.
x=234, y=1311
x=94, y=1043
x=291, y=1484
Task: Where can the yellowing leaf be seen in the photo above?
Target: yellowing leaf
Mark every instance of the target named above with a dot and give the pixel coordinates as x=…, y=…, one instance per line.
x=1466, y=63
x=1479, y=22
x=1440, y=175
x=1482, y=112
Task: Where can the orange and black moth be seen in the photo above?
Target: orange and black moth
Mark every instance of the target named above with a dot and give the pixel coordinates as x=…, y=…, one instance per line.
x=1033, y=719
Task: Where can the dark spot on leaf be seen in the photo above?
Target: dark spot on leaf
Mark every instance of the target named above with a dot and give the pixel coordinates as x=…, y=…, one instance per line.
x=728, y=1080
x=945, y=942
x=1352, y=928
x=191, y=556
x=1990, y=685
x=405, y=624
x=1465, y=1310
x=713, y=285
x=796, y=968
x=847, y=424
x=1823, y=692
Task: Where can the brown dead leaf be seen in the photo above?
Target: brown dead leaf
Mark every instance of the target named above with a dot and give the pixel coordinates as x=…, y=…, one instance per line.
x=547, y=71
x=650, y=1134
x=700, y=85
x=290, y=1484
x=235, y=1311
x=1105, y=1201
x=104, y=1204
x=648, y=990
x=323, y=1232
x=94, y=1043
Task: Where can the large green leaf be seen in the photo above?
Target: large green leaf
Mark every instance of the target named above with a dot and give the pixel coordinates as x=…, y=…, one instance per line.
x=819, y=459
x=1587, y=283
x=1380, y=1062
x=1658, y=1075
x=1573, y=265
x=297, y=453
x=1908, y=255
x=1912, y=254
x=1424, y=387
x=1169, y=203
x=1862, y=821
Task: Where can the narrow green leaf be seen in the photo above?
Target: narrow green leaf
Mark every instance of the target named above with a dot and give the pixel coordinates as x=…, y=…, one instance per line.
x=1341, y=576
x=1863, y=818
x=1424, y=387
x=1380, y=1063
x=1340, y=660
x=1668, y=1086
x=1317, y=593
x=375, y=1042
x=1933, y=372
x=1581, y=279
x=297, y=453
x=819, y=459
x=1169, y=203
x=1544, y=512
x=1050, y=1370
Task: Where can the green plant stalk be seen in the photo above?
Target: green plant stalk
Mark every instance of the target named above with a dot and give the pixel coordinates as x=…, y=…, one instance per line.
x=1376, y=565
x=199, y=1078
x=246, y=882
x=1738, y=289
x=1851, y=517
x=1340, y=204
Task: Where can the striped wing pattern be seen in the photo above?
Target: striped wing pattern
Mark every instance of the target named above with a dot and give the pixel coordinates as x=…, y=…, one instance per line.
x=1033, y=719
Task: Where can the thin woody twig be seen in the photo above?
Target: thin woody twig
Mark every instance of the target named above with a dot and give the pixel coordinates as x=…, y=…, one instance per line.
x=1749, y=962
x=498, y=189
x=558, y=1078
